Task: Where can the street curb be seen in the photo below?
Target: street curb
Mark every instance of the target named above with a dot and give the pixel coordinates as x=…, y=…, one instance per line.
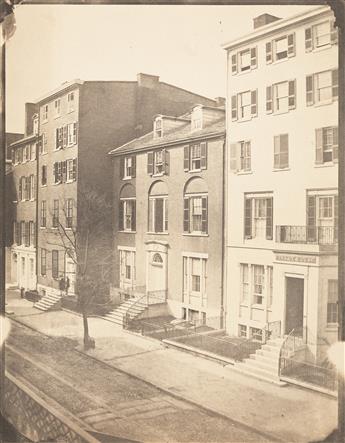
x=310, y=387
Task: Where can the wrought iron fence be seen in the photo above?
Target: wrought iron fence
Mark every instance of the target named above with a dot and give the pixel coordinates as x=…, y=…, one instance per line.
x=321, y=235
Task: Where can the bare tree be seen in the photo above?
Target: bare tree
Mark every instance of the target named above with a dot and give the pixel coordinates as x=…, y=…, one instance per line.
x=84, y=233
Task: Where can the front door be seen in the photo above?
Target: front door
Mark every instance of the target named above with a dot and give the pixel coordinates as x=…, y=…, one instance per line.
x=294, y=305
x=157, y=274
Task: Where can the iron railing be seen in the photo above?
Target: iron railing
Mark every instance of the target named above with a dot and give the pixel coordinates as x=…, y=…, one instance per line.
x=272, y=330
x=320, y=235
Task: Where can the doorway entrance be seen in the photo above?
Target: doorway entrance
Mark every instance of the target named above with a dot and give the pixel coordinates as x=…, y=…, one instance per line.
x=294, y=305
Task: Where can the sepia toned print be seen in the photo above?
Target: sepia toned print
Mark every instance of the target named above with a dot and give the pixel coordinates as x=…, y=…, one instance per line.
x=172, y=223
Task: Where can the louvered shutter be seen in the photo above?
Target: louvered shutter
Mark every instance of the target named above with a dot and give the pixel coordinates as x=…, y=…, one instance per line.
x=254, y=102
x=28, y=188
x=276, y=155
x=134, y=166
x=20, y=189
x=335, y=143
x=269, y=218
x=19, y=231
x=269, y=99
x=334, y=33
x=55, y=172
x=308, y=39
x=234, y=107
x=57, y=135
x=269, y=57
x=74, y=169
x=291, y=45
x=253, y=58
x=134, y=218
x=166, y=161
x=335, y=83
x=292, y=94
x=319, y=145
x=203, y=155
x=186, y=214
x=248, y=217
x=234, y=63
x=310, y=90
x=64, y=171
x=204, y=215
x=150, y=163
x=65, y=136
x=311, y=218
x=121, y=213
x=233, y=156
x=186, y=165
x=122, y=167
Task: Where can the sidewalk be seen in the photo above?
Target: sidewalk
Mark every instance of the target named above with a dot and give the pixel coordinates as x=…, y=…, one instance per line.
x=289, y=413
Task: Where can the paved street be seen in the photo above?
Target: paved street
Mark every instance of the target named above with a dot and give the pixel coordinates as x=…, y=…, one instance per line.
x=107, y=398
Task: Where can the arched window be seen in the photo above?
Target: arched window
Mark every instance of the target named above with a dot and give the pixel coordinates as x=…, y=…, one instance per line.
x=158, y=207
x=195, y=207
x=127, y=209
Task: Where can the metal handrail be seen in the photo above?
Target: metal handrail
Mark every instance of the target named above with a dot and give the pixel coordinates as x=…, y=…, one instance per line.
x=283, y=347
x=126, y=316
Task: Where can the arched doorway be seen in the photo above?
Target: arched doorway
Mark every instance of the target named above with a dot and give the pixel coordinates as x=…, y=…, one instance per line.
x=157, y=269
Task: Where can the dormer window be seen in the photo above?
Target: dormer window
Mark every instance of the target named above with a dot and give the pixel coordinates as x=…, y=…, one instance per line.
x=35, y=124
x=197, y=119
x=158, y=128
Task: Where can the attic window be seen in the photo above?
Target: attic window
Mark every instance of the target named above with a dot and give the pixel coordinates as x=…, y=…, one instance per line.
x=158, y=128
x=197, y=119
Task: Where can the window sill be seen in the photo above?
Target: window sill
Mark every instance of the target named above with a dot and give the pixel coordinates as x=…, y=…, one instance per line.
x=281, y=169
x=244, y=305
x=44, y=153
x=195, y=170
x=195, y=234
x=44, y=186
x=127, y=232
x=325, y=103
x=157, y=233
x=282, y=112
x=43, y=227
x=244, y=172
x=258, y=307
x=247, y=119
x=321, y=48
x=126, y=178
x=57, y=116
x=332, y=327
x=325, y=165
x=281, y=60
x=246, y=71
x=158, y=174
x=44, y=121
x=70, y=181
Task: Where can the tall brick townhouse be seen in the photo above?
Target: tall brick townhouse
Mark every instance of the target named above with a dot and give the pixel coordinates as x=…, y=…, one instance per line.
x=283, y=183
x=168, y=233
x=77, y=124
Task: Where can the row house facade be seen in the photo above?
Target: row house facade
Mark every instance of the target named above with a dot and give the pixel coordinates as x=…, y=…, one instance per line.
x=76, y=124
x=168, y=236
x=282, y=155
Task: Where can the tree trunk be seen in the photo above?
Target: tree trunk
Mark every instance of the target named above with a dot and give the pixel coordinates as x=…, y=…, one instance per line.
x=89, y=343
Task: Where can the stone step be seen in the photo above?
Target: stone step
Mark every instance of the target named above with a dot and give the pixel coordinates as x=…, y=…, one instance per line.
x=265, y=358
x=272, y=349
x=258, y=375
x=273, y=368
x=113, y=320
x=123, y=309
x=256, y=370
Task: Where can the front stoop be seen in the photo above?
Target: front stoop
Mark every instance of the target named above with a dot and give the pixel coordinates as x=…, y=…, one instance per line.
x=49, y=302
x=116, y=315
x=264, y=364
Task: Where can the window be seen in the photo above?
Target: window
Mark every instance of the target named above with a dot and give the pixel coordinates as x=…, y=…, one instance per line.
x=127, y=215
x=332, y=302
x=43, y=175
x=35, y=125
x=326, y=144
x=55, y=213
x=280, y=48
x=128, y=167
x=57, y=107
x=26, y=153
x=196, y=120
x=45, y=113
x=71, y=134
x=70, y=101
x=66, y=135
x=281, y=151
x=258, y=284
x=158, y=128
x=195, y=157
x=157, y=259
x=43, y=144
x=244, y=60
x=55, y=263
x=194, y=281
x=32, y=187
x=244, y=105
x=195, y=214
x=127, y=268
x=320, y=35
x=322, y=88
x=69, y=213
x=33, y=147
x=322, y=218
x=58, y=172
x=281, y=97
x=258, y=217
x=244, y=284
x=270, y=286
x=59, y=138
x=325, y=208
x=245, y=156
x=43, y=214
x=158, y=162
x=256, y=334
x=242, y=331
x=23, y=232
x=158, y=214
x=71, y=169
x=43, y=262
x=21, y=189
x=32, y=233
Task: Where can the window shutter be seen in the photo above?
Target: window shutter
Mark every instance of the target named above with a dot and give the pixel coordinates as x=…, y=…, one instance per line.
x=319, y=146
x=121, y=212
x=65, y=136
x=291, y=44
x=233, y=157
x=234, y=107
x=292, y=94
x=57, y=144
x=19, y=231
x=268, y=52
x=308, y=39
x=134, y=166
x=254, y=102
x=310, y=90
x=204, y=215
x=55, y=172
x=335, y=83
x=28, y=188
x=234, y=63
x=150, y=163
x=269, y=218
x=334, y=33
x=122, y=167
x=186, y=214
x=276, y=155
x=269, y=100
x=166, y=158
x=335, y=143
x=133, y=221
x=248, y=217
x=74, y=169
x=75, y=133
x=27, y=234
x=186, y=165
x=253, y=58
x=20, y=189
x=203, y=155
x=311, y=218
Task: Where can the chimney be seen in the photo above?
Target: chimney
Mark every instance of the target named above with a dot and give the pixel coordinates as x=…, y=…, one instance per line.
x=147, y=81
x=30, y=110
x=220, y=102
x=264, y=19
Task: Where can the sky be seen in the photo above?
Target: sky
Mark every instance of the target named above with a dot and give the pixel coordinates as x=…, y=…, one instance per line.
x=179, y=43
